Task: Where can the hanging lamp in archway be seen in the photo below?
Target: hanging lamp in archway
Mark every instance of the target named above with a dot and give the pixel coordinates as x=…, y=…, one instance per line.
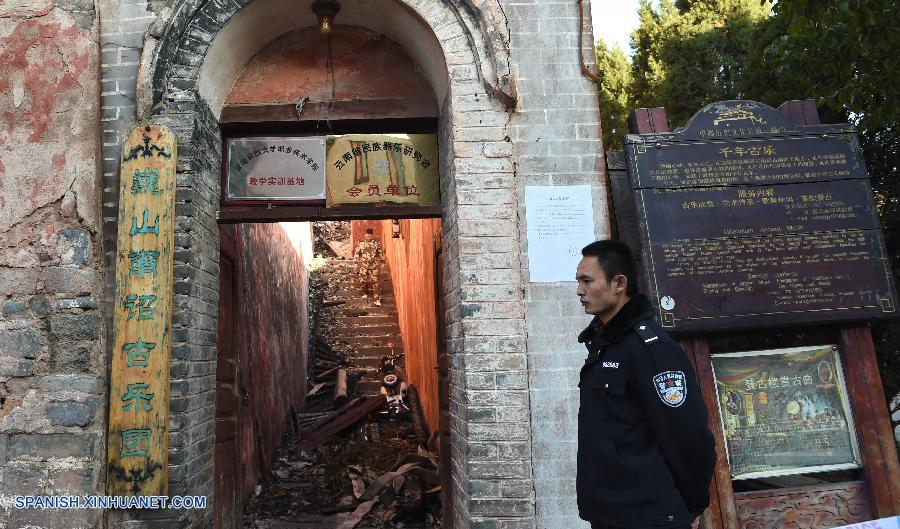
x=325, y=10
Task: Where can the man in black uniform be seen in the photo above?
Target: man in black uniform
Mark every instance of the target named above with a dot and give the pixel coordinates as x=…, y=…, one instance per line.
x=645, y=453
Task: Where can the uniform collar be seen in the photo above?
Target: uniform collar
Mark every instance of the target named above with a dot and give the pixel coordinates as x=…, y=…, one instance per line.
x=589, y=331
x=636, y=309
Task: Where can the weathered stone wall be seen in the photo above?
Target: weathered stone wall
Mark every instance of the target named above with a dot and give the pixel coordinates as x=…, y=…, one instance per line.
x=490, y=449
x=52, y=358
x=556, y=135
x=48, y=92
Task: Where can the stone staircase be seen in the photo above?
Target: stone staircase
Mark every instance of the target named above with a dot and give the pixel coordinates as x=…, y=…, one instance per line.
x=361, y=330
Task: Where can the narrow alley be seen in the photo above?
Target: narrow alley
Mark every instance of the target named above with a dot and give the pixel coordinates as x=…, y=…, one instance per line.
x=359, y=451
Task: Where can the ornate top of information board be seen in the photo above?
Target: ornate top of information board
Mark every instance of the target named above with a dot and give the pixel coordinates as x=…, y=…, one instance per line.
x=737, y=119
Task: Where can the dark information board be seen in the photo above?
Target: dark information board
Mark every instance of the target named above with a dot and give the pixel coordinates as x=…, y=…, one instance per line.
x=748, y=220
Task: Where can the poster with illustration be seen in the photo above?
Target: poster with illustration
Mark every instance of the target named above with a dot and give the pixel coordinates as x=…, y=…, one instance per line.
x=785, y=411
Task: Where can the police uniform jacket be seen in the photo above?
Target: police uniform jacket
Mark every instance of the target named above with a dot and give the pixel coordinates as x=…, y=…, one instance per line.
x=645, y=453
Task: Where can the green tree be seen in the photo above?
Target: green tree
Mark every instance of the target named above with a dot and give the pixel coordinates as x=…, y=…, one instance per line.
x=647, y=68
x=690, y=53
x=613, y=91
x=846, y=50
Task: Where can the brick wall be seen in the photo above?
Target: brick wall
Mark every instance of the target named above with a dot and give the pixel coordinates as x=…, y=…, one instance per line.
x=195, y=314
x=556, y=135
x=455, y=510
x=122, y=27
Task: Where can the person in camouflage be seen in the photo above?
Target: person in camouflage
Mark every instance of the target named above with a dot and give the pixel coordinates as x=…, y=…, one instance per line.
x=369, y=258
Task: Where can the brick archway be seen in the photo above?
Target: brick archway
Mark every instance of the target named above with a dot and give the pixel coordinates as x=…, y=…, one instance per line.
x=463, y=51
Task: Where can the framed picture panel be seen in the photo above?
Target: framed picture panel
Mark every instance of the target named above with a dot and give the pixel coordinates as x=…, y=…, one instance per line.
x=785, y=411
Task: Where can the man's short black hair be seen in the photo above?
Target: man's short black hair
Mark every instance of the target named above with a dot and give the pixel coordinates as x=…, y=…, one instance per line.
x=369, y=231
x=615, y=258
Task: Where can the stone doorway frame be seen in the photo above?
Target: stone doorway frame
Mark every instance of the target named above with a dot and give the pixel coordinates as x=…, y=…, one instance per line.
x=185, y=66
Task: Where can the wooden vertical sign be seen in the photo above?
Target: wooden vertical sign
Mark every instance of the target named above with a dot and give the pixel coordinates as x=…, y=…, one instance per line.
x=139, y=387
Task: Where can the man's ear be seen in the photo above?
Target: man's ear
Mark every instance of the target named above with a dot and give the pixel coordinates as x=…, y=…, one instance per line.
x=620, y=284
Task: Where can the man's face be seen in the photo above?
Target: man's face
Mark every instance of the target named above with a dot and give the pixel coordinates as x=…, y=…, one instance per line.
x=599, y=296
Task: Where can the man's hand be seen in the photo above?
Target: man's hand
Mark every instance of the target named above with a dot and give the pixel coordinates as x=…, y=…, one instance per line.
x=696, y=523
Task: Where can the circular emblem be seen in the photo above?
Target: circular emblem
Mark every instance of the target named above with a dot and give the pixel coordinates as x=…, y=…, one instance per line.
x=794, y=408
x=667, y=302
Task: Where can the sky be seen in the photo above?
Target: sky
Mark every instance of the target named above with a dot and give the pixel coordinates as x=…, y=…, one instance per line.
x=614, y=20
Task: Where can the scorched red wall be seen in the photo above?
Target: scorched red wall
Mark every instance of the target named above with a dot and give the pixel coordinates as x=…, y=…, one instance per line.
x=411, y=259
x=273, y=336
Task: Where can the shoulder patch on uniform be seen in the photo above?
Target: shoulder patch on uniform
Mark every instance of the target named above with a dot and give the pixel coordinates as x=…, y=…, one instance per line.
x=671, y=387
x=646, y=333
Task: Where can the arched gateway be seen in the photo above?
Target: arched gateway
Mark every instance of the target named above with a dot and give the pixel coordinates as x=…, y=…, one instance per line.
x=462, y=49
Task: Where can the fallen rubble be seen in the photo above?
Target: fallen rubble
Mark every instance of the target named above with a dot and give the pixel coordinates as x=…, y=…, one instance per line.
x=374, y=475
x=351, y=461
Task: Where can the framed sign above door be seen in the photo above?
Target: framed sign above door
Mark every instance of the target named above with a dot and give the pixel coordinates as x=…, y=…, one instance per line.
x=270, y=169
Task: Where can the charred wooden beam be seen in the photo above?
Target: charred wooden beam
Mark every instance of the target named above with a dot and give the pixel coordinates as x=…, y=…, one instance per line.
x=354, y=413
x=340, y=388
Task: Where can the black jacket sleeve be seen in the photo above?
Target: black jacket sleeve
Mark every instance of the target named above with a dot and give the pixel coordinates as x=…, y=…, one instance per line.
x=679, y=420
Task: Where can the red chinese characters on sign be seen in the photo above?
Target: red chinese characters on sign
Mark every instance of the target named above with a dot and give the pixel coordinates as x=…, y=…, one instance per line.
x=381, y=169
x=277, y=181
x=374, y=190
x=271, y=169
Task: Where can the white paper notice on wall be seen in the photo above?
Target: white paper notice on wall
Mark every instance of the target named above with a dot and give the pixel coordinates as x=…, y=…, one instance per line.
x=560, y=223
